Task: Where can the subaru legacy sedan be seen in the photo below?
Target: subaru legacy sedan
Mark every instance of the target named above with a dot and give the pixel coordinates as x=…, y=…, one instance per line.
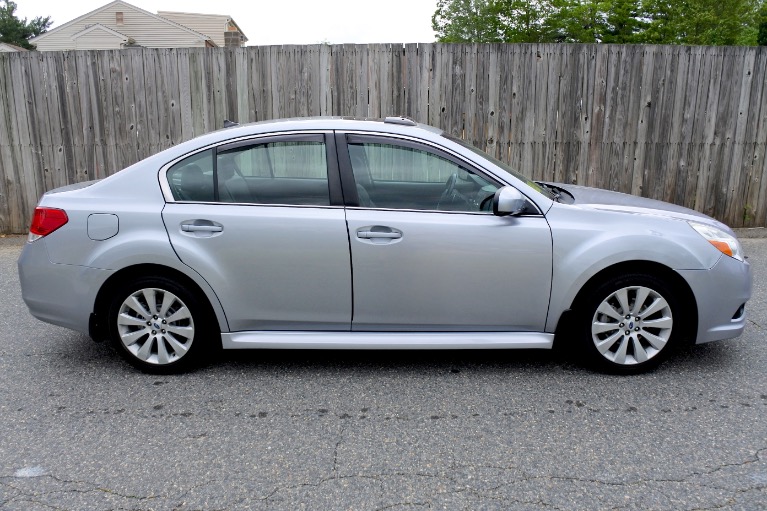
x=372, y=234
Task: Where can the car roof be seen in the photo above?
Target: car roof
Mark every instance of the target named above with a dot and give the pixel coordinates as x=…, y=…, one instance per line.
x=384, y=125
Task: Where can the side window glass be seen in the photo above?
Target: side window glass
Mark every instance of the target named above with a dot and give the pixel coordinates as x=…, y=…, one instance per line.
x=274, y=173
x=191, y=179
x=398, y=177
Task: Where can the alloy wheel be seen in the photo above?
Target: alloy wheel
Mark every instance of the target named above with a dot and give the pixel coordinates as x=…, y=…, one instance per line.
x=155, y=326
x=632, y=325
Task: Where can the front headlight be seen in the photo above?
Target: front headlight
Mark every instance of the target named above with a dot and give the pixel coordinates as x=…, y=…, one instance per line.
x=725, y=243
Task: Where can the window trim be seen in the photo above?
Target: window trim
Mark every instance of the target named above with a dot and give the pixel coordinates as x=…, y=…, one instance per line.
x=324, y=136
x=344, y=138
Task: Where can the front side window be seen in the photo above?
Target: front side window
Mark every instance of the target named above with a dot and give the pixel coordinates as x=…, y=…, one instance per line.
x=400, y=177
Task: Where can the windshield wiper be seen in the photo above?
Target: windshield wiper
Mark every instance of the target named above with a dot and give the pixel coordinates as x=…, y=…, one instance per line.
x=555, y=193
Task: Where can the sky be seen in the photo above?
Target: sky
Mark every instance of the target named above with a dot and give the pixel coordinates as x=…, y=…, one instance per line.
x=267, y=22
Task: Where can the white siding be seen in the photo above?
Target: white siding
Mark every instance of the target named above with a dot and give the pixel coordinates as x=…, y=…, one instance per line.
x=98, y=40
x=212, y=25
x=146, y=30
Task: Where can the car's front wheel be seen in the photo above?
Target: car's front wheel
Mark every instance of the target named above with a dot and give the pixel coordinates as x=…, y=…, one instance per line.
x=158, y=325
x=630, y=324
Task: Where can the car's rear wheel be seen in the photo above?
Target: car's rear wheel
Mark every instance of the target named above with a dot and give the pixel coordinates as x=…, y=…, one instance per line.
x=158, y=325
x=630, y=324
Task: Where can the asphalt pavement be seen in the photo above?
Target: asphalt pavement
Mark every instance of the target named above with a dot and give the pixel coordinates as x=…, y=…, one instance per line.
x=528, y=430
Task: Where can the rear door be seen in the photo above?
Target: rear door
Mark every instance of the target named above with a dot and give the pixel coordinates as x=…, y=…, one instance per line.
x=262, y=221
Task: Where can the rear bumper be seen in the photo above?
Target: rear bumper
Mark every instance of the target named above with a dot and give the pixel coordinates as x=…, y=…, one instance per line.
x=61, y=294
x=720, y=293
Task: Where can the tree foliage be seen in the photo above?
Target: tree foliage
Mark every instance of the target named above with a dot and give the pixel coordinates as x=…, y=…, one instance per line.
x=705, y=22
x=18, y=31
x=761, y=24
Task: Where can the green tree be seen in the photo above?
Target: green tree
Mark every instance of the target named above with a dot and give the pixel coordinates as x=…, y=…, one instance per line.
x=577, y=21
x=522, y=21
x=761, y=26
x=706, y=22
x=466, y=21
x=18, y=31
x=624, y=22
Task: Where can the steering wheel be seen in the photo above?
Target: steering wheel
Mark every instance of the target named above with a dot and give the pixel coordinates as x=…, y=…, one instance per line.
x=485, y=201
x=449, y=189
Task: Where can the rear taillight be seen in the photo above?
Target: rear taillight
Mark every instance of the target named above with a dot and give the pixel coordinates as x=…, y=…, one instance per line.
x=45, y=221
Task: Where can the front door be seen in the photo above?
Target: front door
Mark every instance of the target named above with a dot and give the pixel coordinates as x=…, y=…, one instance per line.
x=429, y=255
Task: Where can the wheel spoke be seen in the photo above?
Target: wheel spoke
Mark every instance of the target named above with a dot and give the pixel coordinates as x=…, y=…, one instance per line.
x=620, y=355
x=162, y=352
x=128, y=320
x=639, y=352
x=184, y=331
x=641, y=297
x=605, y=345
x=657, y=342
x=146, y=350
x=657, y=304
x=131, y=338
x=599, y=328
x=149, y=296
x=663, y=323
x=182, y=313
x=167, y=301
x=623, y=298
x=608, y=310
x=178, y=348
x=134, y=304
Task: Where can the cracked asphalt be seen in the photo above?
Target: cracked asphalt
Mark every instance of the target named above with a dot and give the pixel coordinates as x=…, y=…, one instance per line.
x=527, y=430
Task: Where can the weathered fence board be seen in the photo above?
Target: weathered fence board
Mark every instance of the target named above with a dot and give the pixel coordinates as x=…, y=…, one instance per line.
x=677, y=123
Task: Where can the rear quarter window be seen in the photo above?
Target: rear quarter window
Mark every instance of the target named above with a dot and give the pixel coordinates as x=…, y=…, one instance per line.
x=191, y=179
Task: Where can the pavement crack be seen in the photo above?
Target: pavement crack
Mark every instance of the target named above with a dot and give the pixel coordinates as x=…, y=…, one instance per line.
x=335, y=450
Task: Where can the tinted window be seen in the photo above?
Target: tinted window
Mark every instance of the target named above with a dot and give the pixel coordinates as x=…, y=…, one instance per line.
x=274, y=173
x=191, y=179
x=400, y=177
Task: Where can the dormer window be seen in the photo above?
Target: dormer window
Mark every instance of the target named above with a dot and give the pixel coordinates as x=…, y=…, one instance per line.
x=119, y=18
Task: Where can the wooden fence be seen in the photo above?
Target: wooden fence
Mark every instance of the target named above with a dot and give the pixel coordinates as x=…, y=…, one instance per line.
x=677, y=123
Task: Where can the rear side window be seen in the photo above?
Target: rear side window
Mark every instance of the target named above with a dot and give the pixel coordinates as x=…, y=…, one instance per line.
x=285, y=172
x=280, y=172
x=191, y=179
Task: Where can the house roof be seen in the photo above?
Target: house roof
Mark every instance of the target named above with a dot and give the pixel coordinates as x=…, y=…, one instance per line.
x=179, y=15
x=128, y=6
x=12, y=47
x=102, y=28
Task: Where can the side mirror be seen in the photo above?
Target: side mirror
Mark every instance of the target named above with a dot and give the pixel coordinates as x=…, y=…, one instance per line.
x=508, y=201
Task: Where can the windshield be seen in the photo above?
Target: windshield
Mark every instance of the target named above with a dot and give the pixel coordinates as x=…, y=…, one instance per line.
x=503, y=166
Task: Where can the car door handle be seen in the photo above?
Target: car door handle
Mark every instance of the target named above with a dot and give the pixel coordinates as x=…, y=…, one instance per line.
x=201, y=228
x=378, y=234
x=367, y=235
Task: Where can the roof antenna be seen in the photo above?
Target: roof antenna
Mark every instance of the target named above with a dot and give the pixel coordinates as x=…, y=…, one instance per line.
x=229, y=124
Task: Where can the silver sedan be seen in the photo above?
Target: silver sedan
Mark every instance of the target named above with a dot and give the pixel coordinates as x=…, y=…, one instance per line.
x=372, y=234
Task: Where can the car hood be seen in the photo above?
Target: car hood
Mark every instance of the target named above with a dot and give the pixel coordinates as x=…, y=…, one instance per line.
x=597, y=198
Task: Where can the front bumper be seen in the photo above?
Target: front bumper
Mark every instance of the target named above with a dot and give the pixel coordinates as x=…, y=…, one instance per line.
x=720, y=293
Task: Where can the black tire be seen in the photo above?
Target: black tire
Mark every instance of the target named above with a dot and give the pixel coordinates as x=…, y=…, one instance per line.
x=629, y=324
x=175, y=338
